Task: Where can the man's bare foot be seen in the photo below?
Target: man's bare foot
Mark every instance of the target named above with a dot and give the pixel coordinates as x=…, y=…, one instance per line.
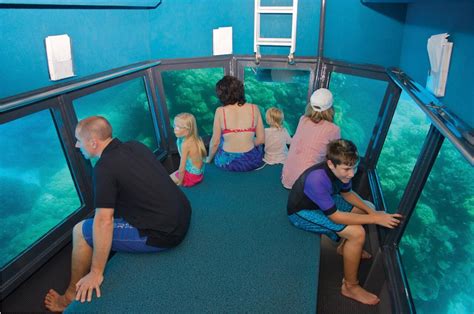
x=356, y=292
x=365, y=254
x=55, y=302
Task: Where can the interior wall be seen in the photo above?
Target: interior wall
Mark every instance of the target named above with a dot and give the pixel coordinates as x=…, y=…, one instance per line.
x=184, y=28
x=364, y=33
x=426, y=18
x=354, y=32
x=102, y=39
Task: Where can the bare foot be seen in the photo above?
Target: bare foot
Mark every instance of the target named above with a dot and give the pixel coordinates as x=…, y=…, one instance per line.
x=356, y=292
x=365, y=254
x=55, y=302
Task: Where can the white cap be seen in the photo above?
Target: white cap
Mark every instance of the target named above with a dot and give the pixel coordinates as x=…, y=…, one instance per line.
x=321, y=99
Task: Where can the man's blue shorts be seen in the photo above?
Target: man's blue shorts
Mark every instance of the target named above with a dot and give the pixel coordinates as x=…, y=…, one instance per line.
x=126, y=238
x=315, y=220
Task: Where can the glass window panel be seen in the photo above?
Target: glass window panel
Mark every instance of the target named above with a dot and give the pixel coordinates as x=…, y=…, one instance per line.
x=357, y=102
x=37, y=190
x=281, y=88
x=437, y=248
x=126, y=107
x=193, y=91
x=400, y=150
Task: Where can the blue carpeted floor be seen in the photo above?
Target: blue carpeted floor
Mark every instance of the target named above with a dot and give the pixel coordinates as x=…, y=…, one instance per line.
x=241, y=255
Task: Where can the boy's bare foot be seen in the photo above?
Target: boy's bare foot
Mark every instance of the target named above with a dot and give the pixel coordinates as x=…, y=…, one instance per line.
x=55, y=302
x=365, y=254
x=356, y=292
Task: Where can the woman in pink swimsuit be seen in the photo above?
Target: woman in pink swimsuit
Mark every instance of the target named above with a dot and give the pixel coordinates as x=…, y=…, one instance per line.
x=238, y=129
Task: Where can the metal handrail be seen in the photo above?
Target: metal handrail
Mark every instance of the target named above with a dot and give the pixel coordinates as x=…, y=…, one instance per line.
x=450, y=125
x=25, y=99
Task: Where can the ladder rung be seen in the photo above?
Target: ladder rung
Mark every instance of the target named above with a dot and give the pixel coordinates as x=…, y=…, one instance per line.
x=275, y=10
x=274, y=41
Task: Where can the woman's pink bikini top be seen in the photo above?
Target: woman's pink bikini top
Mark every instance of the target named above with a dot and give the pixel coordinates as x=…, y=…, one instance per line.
x=251, y=129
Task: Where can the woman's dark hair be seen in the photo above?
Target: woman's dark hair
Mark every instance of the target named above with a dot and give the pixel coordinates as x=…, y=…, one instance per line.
x=230, y=90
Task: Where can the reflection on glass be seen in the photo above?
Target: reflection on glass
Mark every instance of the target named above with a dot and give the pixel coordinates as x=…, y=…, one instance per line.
x=37, y=190
x=193, y=91
x=400, y=150
x=126, y=107
x=357, y=102
x=437, y=248
x=281, y=88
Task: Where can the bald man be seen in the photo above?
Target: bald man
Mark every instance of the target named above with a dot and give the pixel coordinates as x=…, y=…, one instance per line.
x=138, y=208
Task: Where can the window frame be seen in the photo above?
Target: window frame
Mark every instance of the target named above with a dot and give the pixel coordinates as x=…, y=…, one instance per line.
x=27, y=262
x=440, y=129
x=278, y=62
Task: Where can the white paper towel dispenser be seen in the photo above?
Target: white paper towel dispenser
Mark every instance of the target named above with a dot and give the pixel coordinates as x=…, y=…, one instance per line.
x=439, y=52
x=58, y=51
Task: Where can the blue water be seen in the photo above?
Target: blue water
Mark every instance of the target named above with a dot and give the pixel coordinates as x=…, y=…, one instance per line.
x=193, y=91
x=357, y=103
x=437, y=247
x=284, y=89
x=401, y=149
x=126, y=107
x=436, y=250
x=37, y=191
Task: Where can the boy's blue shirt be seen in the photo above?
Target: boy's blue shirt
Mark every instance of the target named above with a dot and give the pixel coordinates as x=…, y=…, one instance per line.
x=314, y=190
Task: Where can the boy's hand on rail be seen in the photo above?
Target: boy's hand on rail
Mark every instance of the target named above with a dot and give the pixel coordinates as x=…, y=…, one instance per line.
x=387, y=220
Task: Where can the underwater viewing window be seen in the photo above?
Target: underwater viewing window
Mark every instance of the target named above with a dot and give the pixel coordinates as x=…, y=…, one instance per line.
x=193, y=91
x=400, y=150
x=281, y=88
x=437, y=248
x=127, y=108
x=38, y=191
x=357, y=102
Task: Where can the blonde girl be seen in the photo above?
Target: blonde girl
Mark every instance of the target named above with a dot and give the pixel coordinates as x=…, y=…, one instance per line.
x=276, y=137
x=315, y=130
x=191, y=150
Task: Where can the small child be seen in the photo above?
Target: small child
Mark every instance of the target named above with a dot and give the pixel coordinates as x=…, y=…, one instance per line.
x=276, y=137
x=191, y=150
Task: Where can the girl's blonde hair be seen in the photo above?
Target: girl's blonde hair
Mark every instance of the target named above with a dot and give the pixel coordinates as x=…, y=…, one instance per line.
x=274, y=117
x=189, y=122
x=317, y=116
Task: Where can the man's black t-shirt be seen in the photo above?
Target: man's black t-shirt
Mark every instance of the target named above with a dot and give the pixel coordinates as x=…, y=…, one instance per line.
x=130, y=179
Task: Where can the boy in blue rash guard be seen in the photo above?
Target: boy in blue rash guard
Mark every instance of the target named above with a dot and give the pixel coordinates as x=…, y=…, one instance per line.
x=322, y=201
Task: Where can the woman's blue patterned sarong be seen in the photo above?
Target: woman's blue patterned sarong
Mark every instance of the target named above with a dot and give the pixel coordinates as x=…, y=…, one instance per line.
x=246, y=161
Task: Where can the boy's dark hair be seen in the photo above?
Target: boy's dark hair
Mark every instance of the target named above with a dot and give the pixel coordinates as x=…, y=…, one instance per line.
x=342, y=152
x=230, y=90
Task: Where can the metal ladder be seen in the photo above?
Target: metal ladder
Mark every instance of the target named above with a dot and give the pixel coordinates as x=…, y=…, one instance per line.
x=286, y=42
